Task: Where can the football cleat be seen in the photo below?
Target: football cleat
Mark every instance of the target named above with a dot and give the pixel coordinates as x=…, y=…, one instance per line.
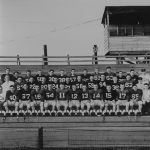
x=105, y=113
x=93, y=113
x=72, y=112
x=131, y=113
x=98, y=112
x=79, y=112
x=59, y=113
x=53, y=113
x=66, y=113
x=118, y=113
x=34, y=113
x=86, y=113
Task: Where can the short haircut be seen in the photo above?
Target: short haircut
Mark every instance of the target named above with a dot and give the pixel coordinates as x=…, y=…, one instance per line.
x=143, y=70
x=28, y=71
x=12, y=86
x=146, y=84
x=51, y=70
x=131, y=70
x=140, y=78
x=108, y=67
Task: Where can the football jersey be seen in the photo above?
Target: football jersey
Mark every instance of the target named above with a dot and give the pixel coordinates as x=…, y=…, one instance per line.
x=90, y=84
x=79, y=84
x=39, y=78
x=32, y=86
x=121, y=79
x=51, y=78
x=85, y=78
x=135, y=79
x=73, y=78
x=96, y=95
x=18, y=86
x=85, y=95
x=109, y=76
x=109, y=96
x=136, y=95
x=3, y=77
x=24, y=95
x=123, y=95
x=37, y=95
x=62, y=79
x=11, y=96
x=97, y=77
x=74, y=95
x=44, y=86
x=26, y=78
x=62, y=94
x=50, y=95
x=68, y=85
x=129, y=84
x=115, y=86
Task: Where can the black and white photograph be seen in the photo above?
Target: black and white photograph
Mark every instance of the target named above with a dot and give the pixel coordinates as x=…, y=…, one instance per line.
x=74, y=75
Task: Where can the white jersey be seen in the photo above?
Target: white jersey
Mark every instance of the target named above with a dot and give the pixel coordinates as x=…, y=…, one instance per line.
x=6, y=86
x=140, y=86
x=146, y=95
x=145, y=78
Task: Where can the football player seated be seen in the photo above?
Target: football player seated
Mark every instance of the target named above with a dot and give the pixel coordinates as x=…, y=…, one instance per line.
x=135, y=96
x=96, y=75
x=50, y=77
x=79, y=82
x=129, y=82
x=62, y=76
x=115, y=84
x=43, y=84
x=74, y=100
x=109, y=97
x=31, y=83
x=39, y=77
x=96, y=100
x=85, y=100
x=122, y=100
x=121, y=77
x=140, y=84
x=67, y=83
x=73, y=76
x=11, y=101
x=19, y=83
x=90, y=82
x=85, y=76
x=2, y=100
x=37, y=98
x=49, y=99
x=62, y=99
x=27, y=76
x=25, y=99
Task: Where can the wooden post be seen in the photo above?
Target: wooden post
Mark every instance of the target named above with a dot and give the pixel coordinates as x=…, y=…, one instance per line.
x=95, y=49
x=18, y=60
x=45, y=55
x=40, y=138
x=68, y=59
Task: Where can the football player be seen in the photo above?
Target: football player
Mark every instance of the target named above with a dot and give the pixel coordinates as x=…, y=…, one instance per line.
x=121, y=77
x=51, y=76
x=39, y=77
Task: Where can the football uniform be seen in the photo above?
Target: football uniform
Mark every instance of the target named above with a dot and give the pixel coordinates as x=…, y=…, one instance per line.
x=6, y=86
x=74, y=98
x=73, y=78
x=62, y=97
x=109, y=77
x=129, y=84
x=26, y=78
x=50, y=78
x=79, y=84
x=121, y=79
x=18, y=86
x=96, y=98
x=135, y=79
x=50, y=98
x=97, y=77
x=85, y=78
x=43, y=86
x=85, y=99
x=115, y=86
x=24, y=98
x=68, y=85
x=62, y=79
x=90, y=84
x=39, y=78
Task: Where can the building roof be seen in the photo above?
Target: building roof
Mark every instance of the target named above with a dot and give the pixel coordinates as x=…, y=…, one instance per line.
x=127, y=15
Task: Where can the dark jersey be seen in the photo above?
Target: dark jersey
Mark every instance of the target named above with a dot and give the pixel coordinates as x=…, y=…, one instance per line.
x=18, y=86
x=44, y=86
x=135, y=79
x=73, y=78
x=129, y=84
x=37, y=95
x=51, y=78
x=26, y=79
x=85, y=78
x=109, y=77
x=109, y=96
x=79, y=84
x=96, y=95
x=62, y=79
x=50, y=95
x=115, y=86
x=54, y=85
x=90, y=84
x=85, y=95
x=121, y=79
x=62, y=94
x=12, y=96
x=68, y=85
x=39, y=79
x=97, y=77
x=136, y=95
x=123, y=95
x=24, y=95
x=32, y=86
x=74, y=95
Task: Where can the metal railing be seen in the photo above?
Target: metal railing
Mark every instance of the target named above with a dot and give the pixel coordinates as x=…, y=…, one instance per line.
x=71, y=60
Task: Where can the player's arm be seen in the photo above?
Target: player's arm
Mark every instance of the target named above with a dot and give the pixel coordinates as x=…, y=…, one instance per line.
x=32, y=95
x=140, y=95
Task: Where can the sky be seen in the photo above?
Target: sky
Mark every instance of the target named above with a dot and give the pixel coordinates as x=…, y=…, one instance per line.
x=66, y=26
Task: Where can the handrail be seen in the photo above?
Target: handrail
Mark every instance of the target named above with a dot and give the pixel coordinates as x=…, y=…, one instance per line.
x=118, y=59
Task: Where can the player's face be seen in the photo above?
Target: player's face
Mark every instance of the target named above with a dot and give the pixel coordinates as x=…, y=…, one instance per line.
x=51, y=73
x=7, y=71
x=121, y=86
x=28, y=73
x=44, y=80
x=85, y=72
x=115, y=79
x=91, y=78
x=128, y=77
x=12, y=89
x=62, y=86
x=73, y=87
x=79, y=78
x=72, y=71
x=19, y=80
x=134, y=87
x=40, y=72
x=7, y=78
x=31, y=80
x=108, y=70
x=84, y=88
x=25, y=86
x=140, y=81
x=120, y=74
x=146, y=87
x=16, y=74
x=96, y=71
x=132, y=73
x=108, y=87
x=67, y=79
x=62, y=72
x=95, y=87
x=102, y=77
x=55, y=80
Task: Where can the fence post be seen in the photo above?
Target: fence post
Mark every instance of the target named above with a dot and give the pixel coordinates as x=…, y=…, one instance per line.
x=18, y=60
x=40, y=138
x=68, y=59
